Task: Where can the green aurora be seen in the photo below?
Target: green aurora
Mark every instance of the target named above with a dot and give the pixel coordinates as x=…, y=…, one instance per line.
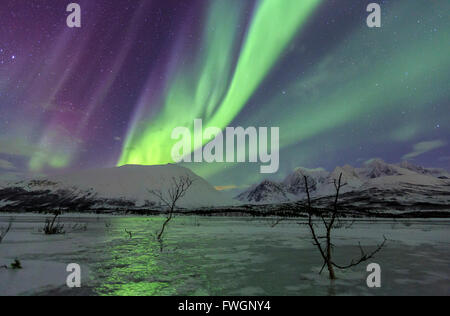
x=205, y=92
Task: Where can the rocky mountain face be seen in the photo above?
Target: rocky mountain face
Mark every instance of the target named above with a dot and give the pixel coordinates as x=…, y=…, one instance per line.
x=376, y=183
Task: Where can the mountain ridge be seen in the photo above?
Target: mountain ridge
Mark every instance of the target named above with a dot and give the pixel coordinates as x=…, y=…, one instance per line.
x=376, y=184
x=404, y=182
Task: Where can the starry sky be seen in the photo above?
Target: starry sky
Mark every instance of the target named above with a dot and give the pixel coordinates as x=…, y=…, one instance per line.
x=111, y=92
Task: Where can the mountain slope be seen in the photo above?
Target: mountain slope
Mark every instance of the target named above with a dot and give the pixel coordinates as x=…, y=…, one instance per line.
x=435, y=172
x=125, y=187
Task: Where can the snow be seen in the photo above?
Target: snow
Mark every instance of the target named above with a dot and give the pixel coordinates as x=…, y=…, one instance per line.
x=36, y=276
x=295, y=182
x=376, y=174
x=128, y=187
x=266, y=191
x=221, y=256
x=436, y=172
x=395, y=181
x=131, y=183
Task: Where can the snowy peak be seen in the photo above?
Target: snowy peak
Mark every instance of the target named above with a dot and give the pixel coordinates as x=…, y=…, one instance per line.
x=266, y=191
x=349, y=174
x=377, y=168
x=295, y=182
x=352, y=178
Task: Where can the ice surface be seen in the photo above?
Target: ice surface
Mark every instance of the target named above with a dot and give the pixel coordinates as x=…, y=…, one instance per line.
x=220, y=256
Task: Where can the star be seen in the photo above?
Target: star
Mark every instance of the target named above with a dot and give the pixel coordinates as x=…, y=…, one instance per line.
x=324, y=86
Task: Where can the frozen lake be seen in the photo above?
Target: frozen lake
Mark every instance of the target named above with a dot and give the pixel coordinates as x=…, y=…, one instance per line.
x=219, y=256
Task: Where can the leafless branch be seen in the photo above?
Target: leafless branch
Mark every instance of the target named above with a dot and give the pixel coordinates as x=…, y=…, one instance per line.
x=364, y=257
x=310, y=221
x=177, y=190
x=5, y=231
x=277, y=221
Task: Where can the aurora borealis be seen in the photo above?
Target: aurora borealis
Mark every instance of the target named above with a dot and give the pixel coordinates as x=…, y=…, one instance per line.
x=111, y=92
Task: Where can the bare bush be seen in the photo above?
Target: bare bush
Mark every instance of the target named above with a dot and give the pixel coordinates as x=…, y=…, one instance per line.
x=52, y=227
x=16, y=265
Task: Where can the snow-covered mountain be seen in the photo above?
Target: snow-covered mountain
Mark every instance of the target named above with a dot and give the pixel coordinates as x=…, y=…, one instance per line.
x=435, y=172
x=295, y=182
x=266, y=191
x=376, y=182
x=375, y=185
x=124, y=187
x=377, y=168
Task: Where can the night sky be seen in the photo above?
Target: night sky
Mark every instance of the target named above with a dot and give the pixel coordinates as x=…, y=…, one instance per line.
x=111, y=92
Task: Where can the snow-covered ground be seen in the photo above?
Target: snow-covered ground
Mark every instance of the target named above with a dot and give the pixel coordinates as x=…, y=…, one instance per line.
x=219, y=256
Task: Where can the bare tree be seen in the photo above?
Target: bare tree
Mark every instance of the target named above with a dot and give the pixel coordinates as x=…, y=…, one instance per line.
x=177, y=190
x=326, y=248
x=4, y=231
